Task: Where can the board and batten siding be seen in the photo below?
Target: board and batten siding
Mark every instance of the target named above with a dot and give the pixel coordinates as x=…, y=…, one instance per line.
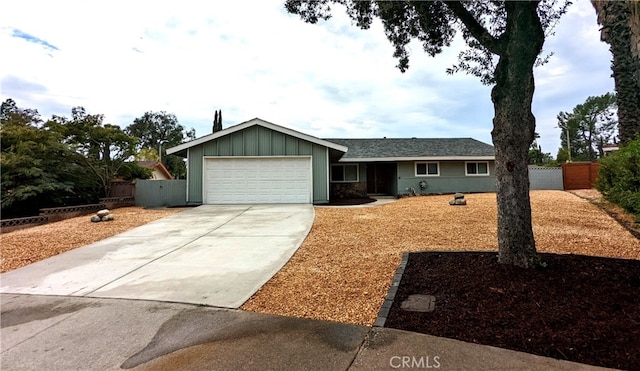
x=452, y=179
x=258, y=141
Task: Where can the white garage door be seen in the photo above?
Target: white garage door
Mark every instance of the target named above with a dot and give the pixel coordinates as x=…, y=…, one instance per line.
x=257, y=180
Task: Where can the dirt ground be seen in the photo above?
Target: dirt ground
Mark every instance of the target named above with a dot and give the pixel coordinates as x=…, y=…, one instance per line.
x=26, y=246
x=344, y=268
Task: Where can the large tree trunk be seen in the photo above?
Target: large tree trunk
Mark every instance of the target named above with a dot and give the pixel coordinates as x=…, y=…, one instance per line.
x=621, y=30
x=513, y=132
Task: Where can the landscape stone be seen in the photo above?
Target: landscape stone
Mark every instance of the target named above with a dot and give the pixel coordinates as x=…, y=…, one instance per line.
x=419, y=303
x=103, y=212
x=458, y=202
x=95, y=219
x=108, y=217
x=458, y=196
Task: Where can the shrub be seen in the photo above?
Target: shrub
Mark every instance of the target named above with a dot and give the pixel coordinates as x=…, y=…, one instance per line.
x=619, y=177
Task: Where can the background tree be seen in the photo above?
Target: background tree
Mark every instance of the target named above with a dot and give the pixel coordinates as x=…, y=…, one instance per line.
x=511, y=32
x=161, y=130
x=536, y=156
x=36, y=172
x=103, y=148
x=217, y=121
x=590, y=126
x=620, y=22
x=147, y=154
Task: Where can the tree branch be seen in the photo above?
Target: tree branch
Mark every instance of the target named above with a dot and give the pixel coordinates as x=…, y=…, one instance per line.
x=475, y=28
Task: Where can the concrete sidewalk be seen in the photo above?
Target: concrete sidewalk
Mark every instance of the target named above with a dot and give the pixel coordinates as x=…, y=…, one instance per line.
x=79, y=333
x=214, y=255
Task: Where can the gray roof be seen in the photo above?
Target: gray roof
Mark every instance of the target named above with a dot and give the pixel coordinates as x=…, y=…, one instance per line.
x=415, y=148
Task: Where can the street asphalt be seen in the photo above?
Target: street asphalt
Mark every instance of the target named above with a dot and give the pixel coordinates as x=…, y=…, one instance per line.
x=79, y=333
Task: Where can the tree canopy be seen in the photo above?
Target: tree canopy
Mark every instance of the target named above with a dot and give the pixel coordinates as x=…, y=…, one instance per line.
x=590, y=126
x=63, y=161
x=34, y=163
x=159, y=131
x=536, y=156
x=217, y=121
x=505, y=39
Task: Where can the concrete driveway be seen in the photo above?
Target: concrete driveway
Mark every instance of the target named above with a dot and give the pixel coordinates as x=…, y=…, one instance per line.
x=214, y=255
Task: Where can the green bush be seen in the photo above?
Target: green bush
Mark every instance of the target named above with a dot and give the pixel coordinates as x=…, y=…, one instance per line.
x=619, y=177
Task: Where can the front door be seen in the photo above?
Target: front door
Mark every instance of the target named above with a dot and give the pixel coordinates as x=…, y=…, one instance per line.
x=380, y=178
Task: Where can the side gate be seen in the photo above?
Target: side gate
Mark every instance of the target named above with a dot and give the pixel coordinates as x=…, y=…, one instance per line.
x=541, y=177
x=156, y=193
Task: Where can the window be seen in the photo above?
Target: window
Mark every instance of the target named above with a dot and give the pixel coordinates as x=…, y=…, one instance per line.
x=427, y=169
x=344, y=173
x=477, y=168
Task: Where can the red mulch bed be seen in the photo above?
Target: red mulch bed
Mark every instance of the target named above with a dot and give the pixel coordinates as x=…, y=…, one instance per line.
x=579, y=308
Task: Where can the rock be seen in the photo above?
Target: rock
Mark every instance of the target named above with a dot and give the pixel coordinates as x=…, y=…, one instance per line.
x=458, y=196
x=458, y=202
x=95, y=219
x=103, y=212
x=107, y=218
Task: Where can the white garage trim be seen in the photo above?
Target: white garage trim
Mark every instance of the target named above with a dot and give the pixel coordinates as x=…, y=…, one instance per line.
x=257, y=179
x=187, y=173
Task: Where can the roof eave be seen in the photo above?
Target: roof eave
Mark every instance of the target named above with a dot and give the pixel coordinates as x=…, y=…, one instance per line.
x=252, y=122
x=418, y=158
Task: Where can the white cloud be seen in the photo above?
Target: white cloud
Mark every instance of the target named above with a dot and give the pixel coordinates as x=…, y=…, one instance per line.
x=252, y=59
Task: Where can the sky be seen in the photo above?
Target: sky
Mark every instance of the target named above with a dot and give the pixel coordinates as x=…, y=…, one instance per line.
x=252, y=59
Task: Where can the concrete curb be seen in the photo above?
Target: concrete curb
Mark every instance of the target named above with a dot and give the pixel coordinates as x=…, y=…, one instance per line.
x=388, y=301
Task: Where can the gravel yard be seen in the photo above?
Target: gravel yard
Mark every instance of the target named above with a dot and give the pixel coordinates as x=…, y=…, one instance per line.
x=344, y=268
x=26, y=246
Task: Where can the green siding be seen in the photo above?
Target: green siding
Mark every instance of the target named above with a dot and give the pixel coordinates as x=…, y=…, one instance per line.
x=277, y=143
x=304, y=148
x=224, y=146
x=320, y=183
x=194, y=181
x=451, y=179
x=291, y=145
x=237, y=143
x=259, y=141
x=264, y=142
x=210, y=148
x=250, y=141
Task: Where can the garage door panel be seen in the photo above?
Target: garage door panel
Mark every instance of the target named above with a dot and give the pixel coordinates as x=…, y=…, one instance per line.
x=258, y=180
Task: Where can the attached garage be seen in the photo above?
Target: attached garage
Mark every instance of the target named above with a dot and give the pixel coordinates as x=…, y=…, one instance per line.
x=257, y=162
x=241, y=180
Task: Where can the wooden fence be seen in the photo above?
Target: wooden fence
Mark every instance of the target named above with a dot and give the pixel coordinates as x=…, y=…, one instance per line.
x=579, y=175
x=121, y=188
